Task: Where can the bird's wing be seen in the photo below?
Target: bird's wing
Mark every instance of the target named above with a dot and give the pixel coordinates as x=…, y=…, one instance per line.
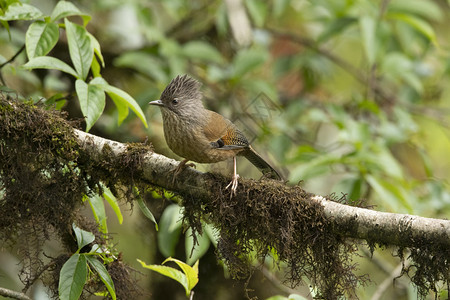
x=223, y=134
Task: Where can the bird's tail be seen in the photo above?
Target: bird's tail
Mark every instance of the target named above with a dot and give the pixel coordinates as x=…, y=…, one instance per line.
x=260, y=163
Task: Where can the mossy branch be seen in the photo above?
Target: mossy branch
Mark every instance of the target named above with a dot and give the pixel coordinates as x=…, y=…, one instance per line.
x=379, y=227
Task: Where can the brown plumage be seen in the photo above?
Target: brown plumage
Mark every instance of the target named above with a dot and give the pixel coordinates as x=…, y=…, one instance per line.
x=201, y=135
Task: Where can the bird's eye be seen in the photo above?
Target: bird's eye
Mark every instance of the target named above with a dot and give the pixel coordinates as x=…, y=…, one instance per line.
x=175, y=101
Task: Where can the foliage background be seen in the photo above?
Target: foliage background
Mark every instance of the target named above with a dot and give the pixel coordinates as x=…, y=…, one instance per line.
x=348, y=96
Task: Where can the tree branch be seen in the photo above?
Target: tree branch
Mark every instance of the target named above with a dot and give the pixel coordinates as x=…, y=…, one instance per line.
x=13, y=294
x=379, y=227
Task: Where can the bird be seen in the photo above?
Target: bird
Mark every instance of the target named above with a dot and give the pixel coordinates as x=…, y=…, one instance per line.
x=201, y=135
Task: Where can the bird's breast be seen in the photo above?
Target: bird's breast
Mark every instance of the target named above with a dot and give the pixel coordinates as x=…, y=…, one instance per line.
x=187, y=139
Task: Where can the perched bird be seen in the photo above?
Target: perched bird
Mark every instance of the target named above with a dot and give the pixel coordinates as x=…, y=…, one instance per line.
x=201, y=135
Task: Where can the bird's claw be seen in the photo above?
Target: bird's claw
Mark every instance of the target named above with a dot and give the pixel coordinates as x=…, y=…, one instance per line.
x=183, y=164
x=233, y=184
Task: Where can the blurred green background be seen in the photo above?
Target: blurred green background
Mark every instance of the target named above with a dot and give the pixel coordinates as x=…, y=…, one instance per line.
x=348, y=97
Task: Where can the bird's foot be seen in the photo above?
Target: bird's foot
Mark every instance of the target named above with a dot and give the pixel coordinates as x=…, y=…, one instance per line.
x=233, y=184
x=183, y=164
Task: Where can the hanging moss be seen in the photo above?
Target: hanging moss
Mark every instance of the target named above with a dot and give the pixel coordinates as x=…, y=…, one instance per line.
x=43, y=179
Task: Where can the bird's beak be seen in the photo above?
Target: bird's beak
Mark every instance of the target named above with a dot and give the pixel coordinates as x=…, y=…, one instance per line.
x=156, y=102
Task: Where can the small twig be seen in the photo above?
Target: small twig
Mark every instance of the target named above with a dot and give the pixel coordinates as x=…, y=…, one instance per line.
x=278, y=284
x=14, y=57
x=13, y=294
x=37, y=276
x=389, y=280
x=191, y=296
x=2, y=81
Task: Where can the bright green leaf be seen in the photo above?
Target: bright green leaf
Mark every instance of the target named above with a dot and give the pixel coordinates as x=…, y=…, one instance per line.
x=169, y=230
x=199, y=250
x=92, y=101
x=48, y=62
x=120, y=98
x=6, y=25
x=368, y=32
x=190, y=272
x=202, y=51
x=21, y=11
x=95, y=67
x=121, y=106
x=80, y=48
x=111, y=199
x=98, y=209
x=97, y=49
x=72, y=277
x=170, y=272
x=65, y=9
x=83, y=237
x=104, y=275
x=420, y=25
x=146, y=211
x=40, y=38
x=424, y=8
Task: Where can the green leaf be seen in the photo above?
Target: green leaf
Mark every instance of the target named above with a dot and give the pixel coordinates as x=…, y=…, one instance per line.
x=169, y=230
x=121, y=99
x=80, y=48
x=146, y=211
x=399, y=66
x=98, y=209
x=92, y=101
x=202, y=51
x=391, y=193
x=95, y=67
x=279, y=7
x=97, y=49
x=199, y=250
x=257, y=9
x=40, y=38
x=213, y=234
x=48, y=62
x=419, y=24
x=248, y=60
x=83, y=237
x=111, y=199
x=144, y=63
x=368, y=33
x=424, y=8
x=314, y=167
x=72, y=277
x=335, y=27
x=21, y=11
x=190, y=272
x=65, y=9
x=104, y=275
x=6, y=25
x=121, y=106
x=170, y=272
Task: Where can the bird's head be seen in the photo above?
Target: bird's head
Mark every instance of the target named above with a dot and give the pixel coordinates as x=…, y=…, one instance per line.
x=182, y=96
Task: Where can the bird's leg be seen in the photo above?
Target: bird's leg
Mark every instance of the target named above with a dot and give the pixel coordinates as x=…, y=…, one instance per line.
x=183, y=164
x=234, y=180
